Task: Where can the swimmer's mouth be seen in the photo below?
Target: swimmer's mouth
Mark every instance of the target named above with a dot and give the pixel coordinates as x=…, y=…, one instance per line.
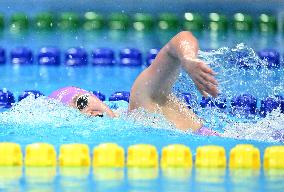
x=99, y=115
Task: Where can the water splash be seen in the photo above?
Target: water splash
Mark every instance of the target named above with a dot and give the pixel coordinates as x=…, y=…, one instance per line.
x=239, y=71
x=268, y=129
x=233, y=78
x=45, y=120
x=34, y=120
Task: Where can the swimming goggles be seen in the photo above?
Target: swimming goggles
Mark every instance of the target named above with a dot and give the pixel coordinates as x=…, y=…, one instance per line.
x=82, y=102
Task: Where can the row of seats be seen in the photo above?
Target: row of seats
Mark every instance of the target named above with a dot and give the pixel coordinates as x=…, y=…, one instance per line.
x=142, y=21
x=141, y=156
x=77, y=56
x=245, y=103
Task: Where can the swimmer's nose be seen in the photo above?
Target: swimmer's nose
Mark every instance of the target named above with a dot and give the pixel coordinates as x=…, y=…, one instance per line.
x=103, y=108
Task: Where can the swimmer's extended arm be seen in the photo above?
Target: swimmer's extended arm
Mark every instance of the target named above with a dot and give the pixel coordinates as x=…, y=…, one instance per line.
x=153, y=87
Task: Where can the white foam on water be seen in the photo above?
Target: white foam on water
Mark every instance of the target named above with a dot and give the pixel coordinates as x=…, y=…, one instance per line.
x=256, y=80
x=270, y=128
x=50, y=121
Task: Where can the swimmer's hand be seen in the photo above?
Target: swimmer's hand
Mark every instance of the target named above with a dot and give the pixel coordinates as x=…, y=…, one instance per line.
x=202, y=75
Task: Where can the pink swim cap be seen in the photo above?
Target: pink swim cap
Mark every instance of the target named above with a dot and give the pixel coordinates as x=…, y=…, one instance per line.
x=66, y=94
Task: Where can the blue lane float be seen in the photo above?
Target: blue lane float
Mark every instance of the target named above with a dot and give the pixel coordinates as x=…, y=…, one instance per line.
x=244, y=104
x=130, y=57
x=99, y=95
x=281, y=98
x=103, y=56
x=188, y=99
x=151, y=55
x=270, y=103
x=206, y=102
x=76, y=56
x=120, y=95
x=220, y=102
x=7, y=98
x=21, y=55
x=241, y=62
x=2, y=56
x=271, y=56
x=27, y=93
x=49, y=56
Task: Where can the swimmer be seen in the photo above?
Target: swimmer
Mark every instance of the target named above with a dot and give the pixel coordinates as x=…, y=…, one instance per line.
x=152, y=90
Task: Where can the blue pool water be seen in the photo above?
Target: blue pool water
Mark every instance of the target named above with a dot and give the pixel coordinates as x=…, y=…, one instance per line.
x=114, y=78
x=82, y=179
x=40, y=120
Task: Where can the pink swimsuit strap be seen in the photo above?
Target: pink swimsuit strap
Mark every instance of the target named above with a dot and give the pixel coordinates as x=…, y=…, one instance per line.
x=206, y=132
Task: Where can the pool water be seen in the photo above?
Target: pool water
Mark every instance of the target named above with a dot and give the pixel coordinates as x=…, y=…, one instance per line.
x=83, y=179
x=114, y=78
x=39, y=120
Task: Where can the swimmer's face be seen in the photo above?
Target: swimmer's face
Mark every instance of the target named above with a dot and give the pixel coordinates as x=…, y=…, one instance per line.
x=91, y=105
